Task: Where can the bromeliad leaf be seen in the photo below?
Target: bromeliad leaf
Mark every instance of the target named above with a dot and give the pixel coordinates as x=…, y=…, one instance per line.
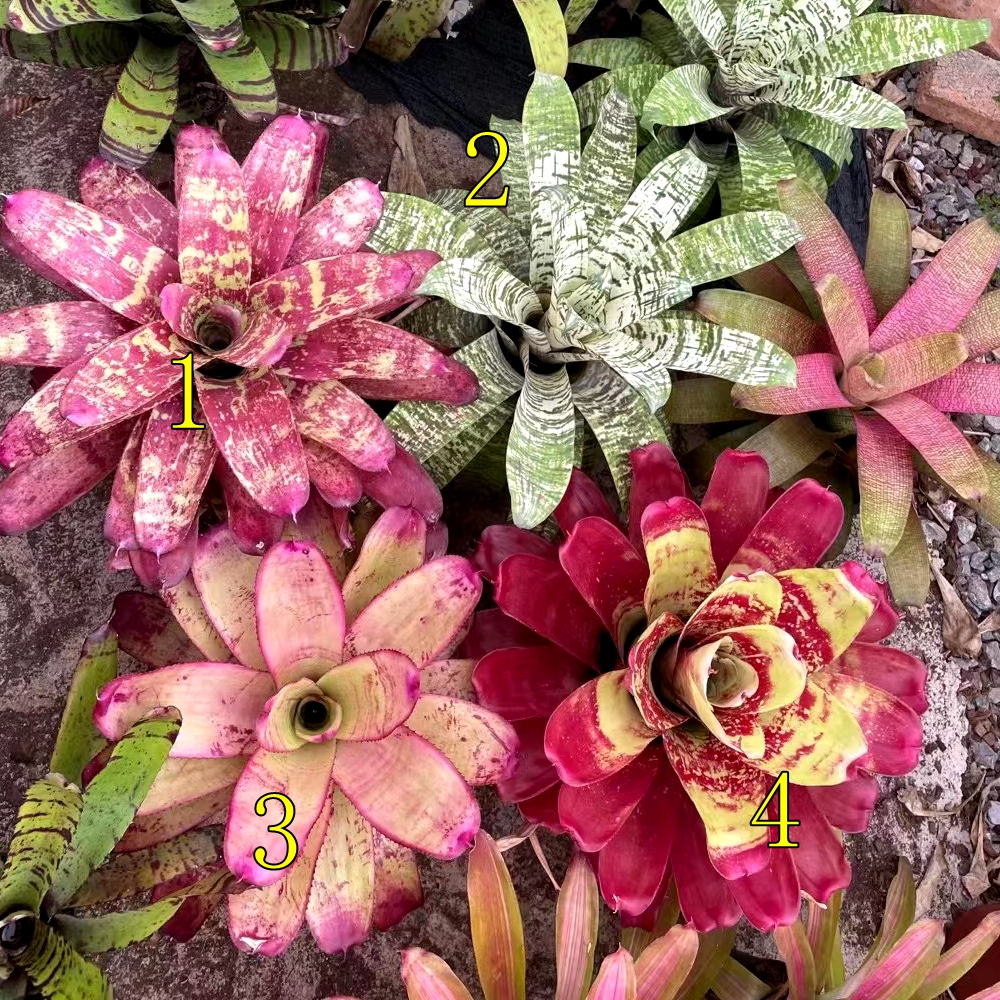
x=112, y=798
x=244, y=75
x=483, y=287
x=408, y=222
x=681, y=97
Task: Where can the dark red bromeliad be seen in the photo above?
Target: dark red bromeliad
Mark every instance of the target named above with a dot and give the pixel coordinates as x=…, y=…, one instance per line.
x=660, y=682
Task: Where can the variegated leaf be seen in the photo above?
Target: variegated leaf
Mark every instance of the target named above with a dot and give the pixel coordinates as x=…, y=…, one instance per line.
x=764, y=161
x=710, y=23
x=666, y=141
x=838, y=101
x=726, y=246
x=571, y=262
x=653, y=290
x=807, y=168
x=411, y=223
x=613, y=53
x=680, y=14
x=450, y=459
x=541, y=445
x=41, y=16
x=681, y=97
x=661, y=32
x=880, y=42
x=830, y=138
x=84, y=46
x=243, y=74
x=619, y=418
x=801, y=27
x=546, y=31
x=514, y=174
x=289, y=43
x=551, y=129
x=217, y=23
x=55, y=970
x=632, y=82
x=576, y=13
x=481, y=286
x=638, y=362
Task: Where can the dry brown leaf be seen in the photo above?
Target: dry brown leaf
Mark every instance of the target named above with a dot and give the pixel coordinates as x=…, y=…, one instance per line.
x=927, y=889
x=14, y=107
x=920, y=239
x=540, y=854
x=991, y=623
x=904, y=180
x=893, y=93
x=338, y=121
x=893, y=143
x=959, y=629
x=505, y=844
x=404, y=173
x=909, y=797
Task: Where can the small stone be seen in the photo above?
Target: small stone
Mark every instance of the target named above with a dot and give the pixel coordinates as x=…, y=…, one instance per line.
x=996, y=593
x=947, y=510
x=992, y=424
x=984, y=756
x=977, y=562
x=967, y=157
x=947, y=207
x=994, y=694
x=995, y=444
x=991, y=650
x=916, y=164
x=993, y=814
x=933, y=532
x=952, y=143
x=970, y=421
x=979, y=595
x=965, y=528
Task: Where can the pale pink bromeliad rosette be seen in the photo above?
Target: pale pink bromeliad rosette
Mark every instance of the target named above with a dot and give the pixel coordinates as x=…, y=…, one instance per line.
x=661, y=681
x=339, y=695
x=276, y=303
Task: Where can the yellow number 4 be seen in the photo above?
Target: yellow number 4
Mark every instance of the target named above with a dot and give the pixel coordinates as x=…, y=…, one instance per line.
x=187, y=394
x=472, y=201
x=291, y=844
x=782, y=822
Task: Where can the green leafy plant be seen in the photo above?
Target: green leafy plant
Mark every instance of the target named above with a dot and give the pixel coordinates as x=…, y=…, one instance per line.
x=56, y=862
x=562, y=306
x=880, y=376
x=770, y=76
x=172, y=45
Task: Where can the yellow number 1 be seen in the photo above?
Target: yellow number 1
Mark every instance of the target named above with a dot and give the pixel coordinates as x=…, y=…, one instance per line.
x=187, y=393
x=291, y=844
x=782, y=822
x=471, y=200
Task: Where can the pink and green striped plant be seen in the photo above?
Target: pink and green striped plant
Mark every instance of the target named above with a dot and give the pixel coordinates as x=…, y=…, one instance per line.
x=661, y=681
x=336, y=691
x=888, y=363
x=275, y=302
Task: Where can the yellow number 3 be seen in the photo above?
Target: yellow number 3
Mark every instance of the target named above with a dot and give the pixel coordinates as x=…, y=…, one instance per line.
x=292, y=845
x=473, y=199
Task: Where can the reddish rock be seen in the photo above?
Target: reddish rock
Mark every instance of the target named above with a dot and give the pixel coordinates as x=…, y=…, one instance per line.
x=960, y=90
x=968, y=9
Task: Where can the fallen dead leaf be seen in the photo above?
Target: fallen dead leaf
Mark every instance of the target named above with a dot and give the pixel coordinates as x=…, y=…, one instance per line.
x=14, y=107
x=991, y=623
x=893, y=142
x=927, y=889
x=905, y=181
x=338, y=121
x=977, y=880
x=959, y=629
x=911, y=800
x=404, y=173
x=920, y=239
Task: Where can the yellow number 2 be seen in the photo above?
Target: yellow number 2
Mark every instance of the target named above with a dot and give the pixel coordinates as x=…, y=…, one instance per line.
x=291, y=844
x=782, y=822
x=187, y=423
x=471, y=200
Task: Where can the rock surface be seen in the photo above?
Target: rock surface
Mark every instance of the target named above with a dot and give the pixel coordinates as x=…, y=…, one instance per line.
x=960, y=89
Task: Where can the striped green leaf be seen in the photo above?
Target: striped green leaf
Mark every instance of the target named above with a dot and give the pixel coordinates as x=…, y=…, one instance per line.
x=571, y=261
x=42, y=16
x=112, y=798
x=680, y=15
x=665, y=141
x=807, y=168
x=661, y=32
x=801, y=27
x=497, y=230
x=452, y=458
x=838, y=101
x=764, y=161
x=619, y=418
x=78, y=740
x=653, y=290
x=751, y=22
x=879, y=42
x=425, y=428
x=217, y=23
x=85, y=46
x=110, y=931
x=551, y=129
x=887, y=257
x=404, y=25
x=56, y=971
x=541, y=445
x=289, y=43
x=44, y=828
x=410, y=223
x=446, y=324
x=484, y=287
x=730, y=185
x=726, y=246
x=681, y=97
x=632, y=82
x=576, y=13
x=689, y=343
x=613, y=53
x=710, y=23
x=637, y=361
x=607, y=165
x=243, y=74
x=142, y=107
x=514, y=174
x=546, y=30
x=830, y=138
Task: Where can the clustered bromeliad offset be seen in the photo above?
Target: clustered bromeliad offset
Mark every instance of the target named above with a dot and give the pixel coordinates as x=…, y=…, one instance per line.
x=321, y=687
x=277, y=306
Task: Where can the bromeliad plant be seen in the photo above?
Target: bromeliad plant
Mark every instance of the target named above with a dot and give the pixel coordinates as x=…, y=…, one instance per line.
x=498, y=943
x=660, y=683
x=574, y=286
x=770, y=76
x=337, y=693
x=238, y=43
x=887, y=367
x=56, y=861
x=244, y=308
